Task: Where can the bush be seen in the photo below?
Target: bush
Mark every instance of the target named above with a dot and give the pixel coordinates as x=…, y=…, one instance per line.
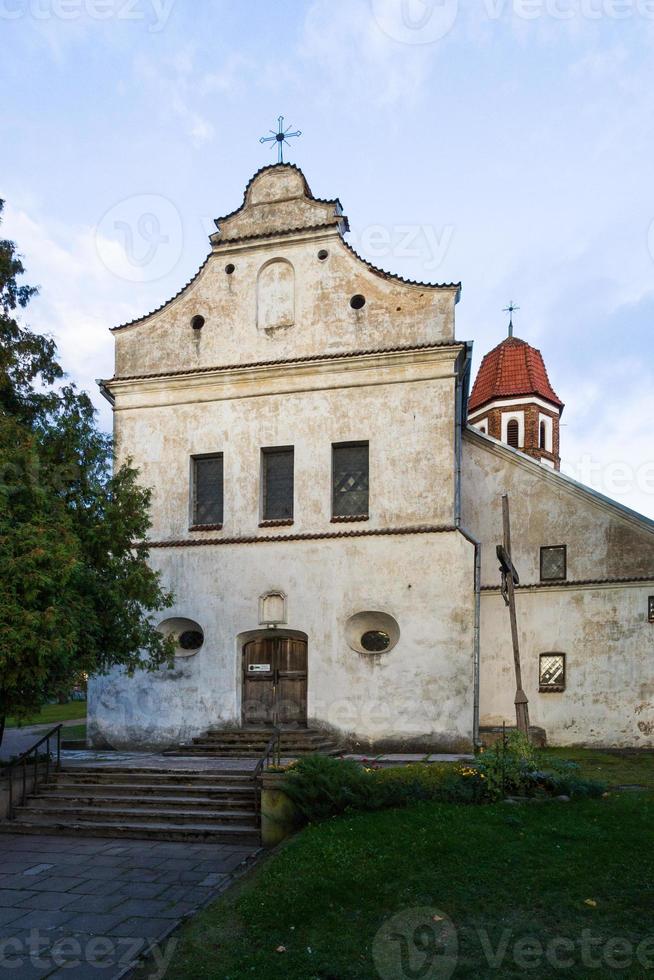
x=514, y=767
x=322, y=787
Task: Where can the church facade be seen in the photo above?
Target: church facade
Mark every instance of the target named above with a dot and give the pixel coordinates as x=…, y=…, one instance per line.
x=327, y=502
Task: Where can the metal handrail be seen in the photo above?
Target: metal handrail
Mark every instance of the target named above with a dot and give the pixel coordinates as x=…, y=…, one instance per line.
x=22, y=760
x=271, y=755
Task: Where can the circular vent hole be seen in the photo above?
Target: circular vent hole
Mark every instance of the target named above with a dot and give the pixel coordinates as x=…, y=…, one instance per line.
x=230, y=268
x=322, y=254
x=358, y=302
x=197, y=322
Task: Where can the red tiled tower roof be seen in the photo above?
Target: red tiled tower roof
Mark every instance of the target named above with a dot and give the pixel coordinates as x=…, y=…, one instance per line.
x=512, y=368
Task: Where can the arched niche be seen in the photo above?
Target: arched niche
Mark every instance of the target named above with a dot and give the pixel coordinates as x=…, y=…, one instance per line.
x=276, y=295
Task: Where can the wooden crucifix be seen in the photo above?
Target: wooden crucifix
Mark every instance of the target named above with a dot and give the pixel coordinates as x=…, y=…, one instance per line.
x=510, y=579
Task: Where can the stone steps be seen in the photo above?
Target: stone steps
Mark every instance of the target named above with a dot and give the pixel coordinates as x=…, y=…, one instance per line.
x=217, y=802
x=207, y=833
x=252, y=743
x=163, y=804
x=47, y=813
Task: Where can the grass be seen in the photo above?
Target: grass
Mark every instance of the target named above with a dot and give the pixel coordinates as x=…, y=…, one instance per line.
x=73, y=733
x=502, y=873
x=612, y=768
x=52, y=713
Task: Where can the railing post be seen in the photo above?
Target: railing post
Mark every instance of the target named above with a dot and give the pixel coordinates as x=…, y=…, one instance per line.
x=24, y=782
x=59, y=748
x=11, y=794
x=47, y=759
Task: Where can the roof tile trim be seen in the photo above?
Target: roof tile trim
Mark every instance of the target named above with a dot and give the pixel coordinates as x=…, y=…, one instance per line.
x=574, y=583
x=308, y=358
x=317, y=536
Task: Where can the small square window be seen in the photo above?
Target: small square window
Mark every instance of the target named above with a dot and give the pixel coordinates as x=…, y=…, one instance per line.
x=277, y=484
x=553, y=563
x=552, y=673
x=650, y=609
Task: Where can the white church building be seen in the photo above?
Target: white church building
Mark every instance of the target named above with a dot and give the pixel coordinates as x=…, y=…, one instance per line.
x=327, y=503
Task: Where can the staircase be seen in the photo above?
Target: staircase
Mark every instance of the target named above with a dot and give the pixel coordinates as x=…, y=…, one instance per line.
x=252, y=742
x=164, y=804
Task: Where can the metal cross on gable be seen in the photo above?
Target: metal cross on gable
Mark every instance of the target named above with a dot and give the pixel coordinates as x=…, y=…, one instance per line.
x=280, y=137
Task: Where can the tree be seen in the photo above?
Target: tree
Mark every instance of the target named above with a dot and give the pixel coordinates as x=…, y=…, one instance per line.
x=76, y=591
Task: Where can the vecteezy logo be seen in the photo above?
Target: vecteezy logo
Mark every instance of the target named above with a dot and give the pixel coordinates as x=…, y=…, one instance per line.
x=141, y=238
x=417, y=944
x=415, y=21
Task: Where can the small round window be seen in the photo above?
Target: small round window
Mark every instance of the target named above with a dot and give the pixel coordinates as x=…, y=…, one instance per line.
x=372, y=632
x=375, y=641
x=230, y=268
x=197, y=322
x=188, y=635
x=322, y=254
x=358, y=302
x=190, y=640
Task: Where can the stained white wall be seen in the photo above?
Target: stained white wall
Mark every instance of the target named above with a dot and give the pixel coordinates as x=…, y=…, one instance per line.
x=421, y=692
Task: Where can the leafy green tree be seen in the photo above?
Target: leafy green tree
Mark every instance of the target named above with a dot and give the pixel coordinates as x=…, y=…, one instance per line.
x=76, y=590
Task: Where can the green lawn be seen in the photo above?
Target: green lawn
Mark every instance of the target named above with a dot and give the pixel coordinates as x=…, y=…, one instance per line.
x=612, y=768
x=502, y=873
x=72, y=733
x=52, y=713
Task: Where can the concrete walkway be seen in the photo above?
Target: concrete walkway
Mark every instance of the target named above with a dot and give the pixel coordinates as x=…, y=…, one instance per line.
x=18, y=740
x=85, y=907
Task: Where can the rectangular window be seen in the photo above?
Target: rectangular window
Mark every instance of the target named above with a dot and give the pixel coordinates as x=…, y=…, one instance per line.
x=350, y=480
x=277, y=484
x=553, y=563
x=207, y=489
x=552, y=672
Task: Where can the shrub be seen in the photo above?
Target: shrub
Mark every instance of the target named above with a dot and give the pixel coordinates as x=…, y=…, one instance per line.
x=514, y=767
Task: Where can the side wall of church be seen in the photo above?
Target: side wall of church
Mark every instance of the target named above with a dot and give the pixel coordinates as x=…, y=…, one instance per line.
x=598, y=621
x=420, y=693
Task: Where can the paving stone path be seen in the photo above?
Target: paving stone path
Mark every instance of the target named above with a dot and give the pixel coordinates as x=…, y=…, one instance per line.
x=86, y=907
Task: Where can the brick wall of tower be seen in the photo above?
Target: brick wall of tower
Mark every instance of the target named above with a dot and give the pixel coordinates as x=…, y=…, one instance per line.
x=493, y=419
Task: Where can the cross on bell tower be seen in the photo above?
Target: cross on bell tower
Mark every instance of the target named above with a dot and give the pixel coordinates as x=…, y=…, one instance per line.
x=280, y=137
x=511, y=309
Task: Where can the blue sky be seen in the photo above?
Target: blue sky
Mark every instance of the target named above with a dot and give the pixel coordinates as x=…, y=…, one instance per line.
x=508, y=144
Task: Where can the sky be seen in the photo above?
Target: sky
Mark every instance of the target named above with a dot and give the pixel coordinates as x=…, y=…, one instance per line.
x=506, y=144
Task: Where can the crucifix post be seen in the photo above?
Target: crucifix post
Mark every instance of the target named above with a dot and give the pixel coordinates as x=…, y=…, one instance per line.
x=510, y=579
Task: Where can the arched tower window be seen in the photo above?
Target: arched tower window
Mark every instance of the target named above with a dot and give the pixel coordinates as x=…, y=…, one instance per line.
x=542, y=436
x=513, y=434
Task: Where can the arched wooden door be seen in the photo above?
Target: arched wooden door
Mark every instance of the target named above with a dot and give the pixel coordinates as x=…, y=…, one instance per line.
x=275, y=682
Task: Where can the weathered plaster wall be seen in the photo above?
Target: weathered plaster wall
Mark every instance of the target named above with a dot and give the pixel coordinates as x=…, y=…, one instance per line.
x=602, y=629
x=395, y=313
x=546, y=509
x=409, y=425
x=420, y=692
x=609, y=648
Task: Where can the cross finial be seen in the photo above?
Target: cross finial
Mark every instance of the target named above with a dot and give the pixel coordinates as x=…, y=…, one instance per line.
x=280, y=137
x=511, y=309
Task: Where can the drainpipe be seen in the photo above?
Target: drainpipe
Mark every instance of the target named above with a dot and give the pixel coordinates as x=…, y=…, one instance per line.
x=463, y=380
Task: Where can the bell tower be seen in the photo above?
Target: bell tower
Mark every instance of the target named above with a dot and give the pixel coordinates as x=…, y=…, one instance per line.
x=512, y=400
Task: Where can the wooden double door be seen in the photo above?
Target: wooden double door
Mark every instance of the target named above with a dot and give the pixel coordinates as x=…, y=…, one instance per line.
x=275, y=682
